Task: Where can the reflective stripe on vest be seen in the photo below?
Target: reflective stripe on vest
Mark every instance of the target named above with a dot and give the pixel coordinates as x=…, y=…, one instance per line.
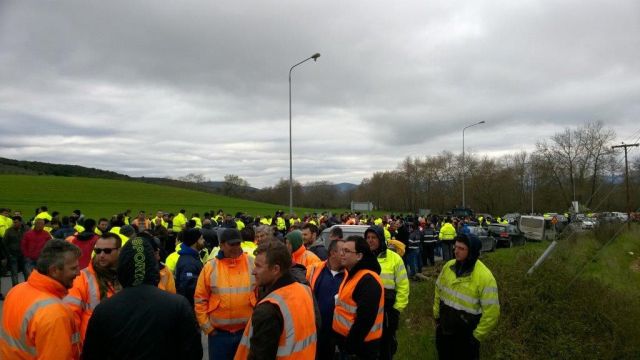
x=21, y=344
x=216, y=290
x=214, y=278
x=314, y=273
x=94, y=294
x=290, y=345
x=475, y=302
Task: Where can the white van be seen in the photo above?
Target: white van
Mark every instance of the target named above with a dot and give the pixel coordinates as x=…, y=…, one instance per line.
x=347, y=230
x=537, y=228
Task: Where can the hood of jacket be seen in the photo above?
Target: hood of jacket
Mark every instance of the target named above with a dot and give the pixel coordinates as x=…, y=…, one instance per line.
x=475, y=245
x=380, y=234
x=137, y=264
x=187, y=250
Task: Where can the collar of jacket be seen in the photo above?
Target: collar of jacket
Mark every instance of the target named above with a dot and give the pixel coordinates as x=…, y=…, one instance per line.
x=188, y=250
x=284, y=280
x=47, y=284
x=296, y=254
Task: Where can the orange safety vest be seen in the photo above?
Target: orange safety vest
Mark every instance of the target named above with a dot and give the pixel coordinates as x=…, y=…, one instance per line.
x=298, y=337
x=344, y=315
x=167, y=282
x=225, y=294
x=313, y=273
x=84, y=297
x=305, y=257
x=36, y=324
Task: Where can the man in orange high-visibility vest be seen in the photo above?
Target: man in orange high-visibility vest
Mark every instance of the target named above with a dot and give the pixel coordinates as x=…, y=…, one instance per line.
x=283, y=324
x=359, y=311
x=96, y=282
x=225, y=296
x=35, y=323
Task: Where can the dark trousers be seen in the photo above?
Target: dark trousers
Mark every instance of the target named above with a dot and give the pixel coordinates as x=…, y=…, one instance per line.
x=456, y=347
x=428, y=254
x=223, y=345
x=16, y=265
x=447, y=250
x=326, y=345
x=414, y=262
x=389, y=343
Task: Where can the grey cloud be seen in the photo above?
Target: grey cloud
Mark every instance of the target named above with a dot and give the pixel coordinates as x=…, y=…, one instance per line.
x=202, y=87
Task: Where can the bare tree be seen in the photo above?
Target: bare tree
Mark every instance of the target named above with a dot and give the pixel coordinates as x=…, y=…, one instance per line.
x=194, y=178
x=234, y=185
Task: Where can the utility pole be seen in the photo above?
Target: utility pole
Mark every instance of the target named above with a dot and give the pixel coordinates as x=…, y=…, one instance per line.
x=626, y=177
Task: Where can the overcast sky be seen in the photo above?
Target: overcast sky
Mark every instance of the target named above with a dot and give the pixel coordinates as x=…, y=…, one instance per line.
x=166, y=88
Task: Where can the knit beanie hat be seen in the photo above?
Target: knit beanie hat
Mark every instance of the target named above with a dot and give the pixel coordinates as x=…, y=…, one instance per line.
x=191, y=236
x=295, y=239
x=137, y=264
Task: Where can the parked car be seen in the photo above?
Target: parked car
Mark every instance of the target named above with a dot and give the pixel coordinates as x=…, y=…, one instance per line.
x=506, y=235
x=612, y=217
x=587, y=224
x=488, y=241
x=511, y=217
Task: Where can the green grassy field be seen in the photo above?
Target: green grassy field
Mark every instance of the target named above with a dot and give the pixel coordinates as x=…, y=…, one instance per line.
x=582, y=303
x=100, y=197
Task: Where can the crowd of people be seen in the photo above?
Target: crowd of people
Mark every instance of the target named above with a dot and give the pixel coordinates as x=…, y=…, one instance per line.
x=258, y=287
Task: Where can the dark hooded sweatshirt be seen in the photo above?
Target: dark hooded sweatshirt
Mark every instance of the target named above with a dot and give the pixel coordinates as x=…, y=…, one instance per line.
x=142, y=321
x=364, y=295
x=381, y=252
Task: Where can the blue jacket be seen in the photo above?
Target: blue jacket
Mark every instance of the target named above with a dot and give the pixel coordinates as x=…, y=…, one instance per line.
x=187, y=271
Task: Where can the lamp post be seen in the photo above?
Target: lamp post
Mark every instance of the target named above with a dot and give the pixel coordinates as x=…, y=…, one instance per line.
x=315, y=58
x=463, y=159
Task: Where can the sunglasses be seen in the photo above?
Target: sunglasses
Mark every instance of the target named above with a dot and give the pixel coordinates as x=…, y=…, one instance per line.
x=106, y=250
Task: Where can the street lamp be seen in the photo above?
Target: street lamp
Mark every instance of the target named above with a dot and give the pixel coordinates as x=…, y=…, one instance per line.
x=315, y=58
x=463, y=159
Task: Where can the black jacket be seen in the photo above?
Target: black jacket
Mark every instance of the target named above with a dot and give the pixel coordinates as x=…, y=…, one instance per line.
x=364, y=295
x=143, y=322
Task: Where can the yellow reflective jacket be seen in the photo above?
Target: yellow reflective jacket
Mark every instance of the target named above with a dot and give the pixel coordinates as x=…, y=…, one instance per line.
x=394, y=277
x=240, y=224
x=179, y=222
x=476, y=294
x=447, y=232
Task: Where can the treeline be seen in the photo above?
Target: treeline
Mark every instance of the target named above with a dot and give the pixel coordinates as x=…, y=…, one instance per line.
x=573, y=164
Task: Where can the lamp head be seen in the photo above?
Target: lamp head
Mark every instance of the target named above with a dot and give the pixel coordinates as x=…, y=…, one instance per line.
x=481, y=122
x=315, y=56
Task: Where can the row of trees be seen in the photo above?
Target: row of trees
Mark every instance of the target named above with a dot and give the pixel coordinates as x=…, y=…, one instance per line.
x=575, y=164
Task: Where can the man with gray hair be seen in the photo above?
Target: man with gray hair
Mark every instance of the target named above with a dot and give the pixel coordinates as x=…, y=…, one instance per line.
x=35, y=322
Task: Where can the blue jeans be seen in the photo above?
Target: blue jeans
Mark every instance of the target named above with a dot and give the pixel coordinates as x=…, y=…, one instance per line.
x=414, y=263
x=223, y=344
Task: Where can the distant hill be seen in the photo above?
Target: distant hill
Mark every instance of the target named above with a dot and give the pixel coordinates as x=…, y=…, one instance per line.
x=10, y=166
x=344, y=187
x=20, y=167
